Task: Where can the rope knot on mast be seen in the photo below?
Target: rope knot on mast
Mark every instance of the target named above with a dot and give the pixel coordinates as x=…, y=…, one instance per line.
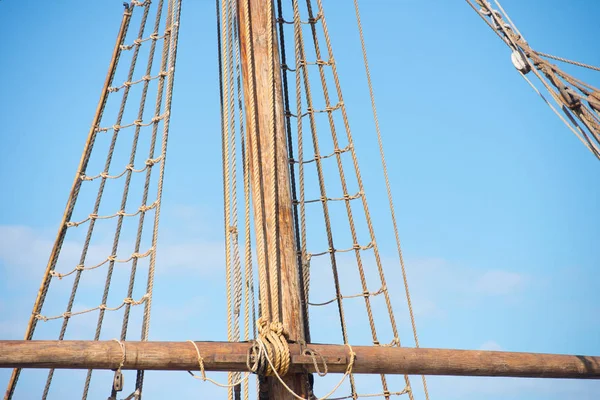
x=270, y=353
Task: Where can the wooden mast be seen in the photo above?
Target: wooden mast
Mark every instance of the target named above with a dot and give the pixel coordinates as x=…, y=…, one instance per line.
x=255, y=55
x=227, y=356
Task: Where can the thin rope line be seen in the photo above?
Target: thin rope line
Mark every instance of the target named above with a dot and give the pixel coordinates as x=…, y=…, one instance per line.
x=388, y=186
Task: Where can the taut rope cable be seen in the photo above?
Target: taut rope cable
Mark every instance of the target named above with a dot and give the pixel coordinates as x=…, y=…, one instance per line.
x=225, y=131
x=388, y=186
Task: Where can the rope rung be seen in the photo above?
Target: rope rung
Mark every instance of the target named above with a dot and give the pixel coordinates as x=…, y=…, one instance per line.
x=145, y=78
x=346, y=197
x=148, y=164
x=111, y=258
x=353, y=296
x=120, y=213
x=320, y=157
x=138, y=42
x=134, y=123
x=69, y=314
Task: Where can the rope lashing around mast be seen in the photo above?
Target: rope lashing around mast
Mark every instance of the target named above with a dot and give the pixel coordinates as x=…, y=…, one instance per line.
x=271, y=343
x=278, y=376
x=269, y=355
x=269, y=352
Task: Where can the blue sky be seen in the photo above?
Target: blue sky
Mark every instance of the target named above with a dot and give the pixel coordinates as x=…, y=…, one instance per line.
x=495, y=198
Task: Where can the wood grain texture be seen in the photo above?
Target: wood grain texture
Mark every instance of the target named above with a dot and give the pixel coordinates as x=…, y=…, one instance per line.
x=261, y=140
x=227, y=356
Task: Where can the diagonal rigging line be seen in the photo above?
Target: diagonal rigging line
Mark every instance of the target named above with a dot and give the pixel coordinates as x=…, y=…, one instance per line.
x=300, y=56
x=341, y=170
x=175, y=16
x=565, y=60
x=569, y=101
x=158, y=106
x=358, y=178
x=387, y=184
x=578, y=133
x=93, y=220
x=73, y=194
x=129, y=172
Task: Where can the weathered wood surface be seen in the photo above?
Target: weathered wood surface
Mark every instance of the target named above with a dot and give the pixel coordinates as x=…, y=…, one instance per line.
x=260, y=141
x=226, y=356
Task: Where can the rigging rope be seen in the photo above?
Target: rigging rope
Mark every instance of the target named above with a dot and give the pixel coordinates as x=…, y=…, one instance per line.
x=388, y=186
x=565, y=60
x=239, y=286
x=168, y=57
x=272, y=356
x=225, y=131
x=271, y=336
x=554, y=79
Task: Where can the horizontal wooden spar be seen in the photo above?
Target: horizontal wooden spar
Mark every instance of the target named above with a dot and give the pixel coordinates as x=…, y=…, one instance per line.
x=226, y=356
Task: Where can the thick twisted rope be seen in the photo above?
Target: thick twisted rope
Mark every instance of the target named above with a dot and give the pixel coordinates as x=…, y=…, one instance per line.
x=225, y=35
x=261, y=352
x=274, y=244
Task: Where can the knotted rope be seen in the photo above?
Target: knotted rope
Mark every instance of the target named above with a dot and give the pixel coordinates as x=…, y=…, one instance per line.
x=122, y=345
x=269, y=355
x=261, y=352
x=270, y=352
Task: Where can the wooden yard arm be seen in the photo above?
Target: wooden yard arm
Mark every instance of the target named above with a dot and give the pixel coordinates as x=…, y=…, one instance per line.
x=226, y=356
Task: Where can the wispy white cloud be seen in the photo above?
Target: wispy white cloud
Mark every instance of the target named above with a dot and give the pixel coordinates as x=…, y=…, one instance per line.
x=499, y=282
x=442, y=274
x=24, y=252
x=190, y=256
x=22, y=248
x=491, y=345
x=432, y=282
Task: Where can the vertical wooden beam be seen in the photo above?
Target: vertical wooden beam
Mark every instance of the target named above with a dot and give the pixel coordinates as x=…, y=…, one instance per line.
x=254, y=49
